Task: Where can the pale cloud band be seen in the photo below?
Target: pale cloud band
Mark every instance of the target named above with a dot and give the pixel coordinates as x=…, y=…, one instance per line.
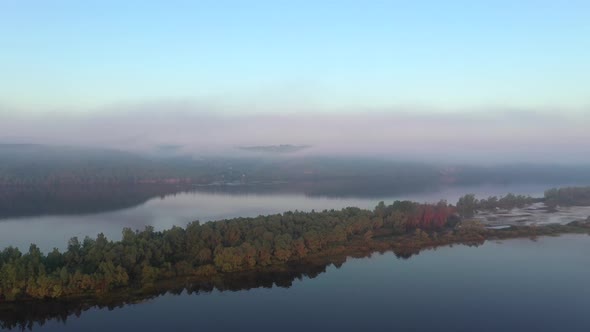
x=493, y=136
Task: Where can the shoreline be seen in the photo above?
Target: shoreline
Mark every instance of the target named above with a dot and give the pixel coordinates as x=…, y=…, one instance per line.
x=92, y=269
x=403, y=246
x=27, y=313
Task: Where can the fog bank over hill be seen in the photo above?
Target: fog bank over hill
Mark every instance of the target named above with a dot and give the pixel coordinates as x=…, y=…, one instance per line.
x=44, y=165
x=198, y=130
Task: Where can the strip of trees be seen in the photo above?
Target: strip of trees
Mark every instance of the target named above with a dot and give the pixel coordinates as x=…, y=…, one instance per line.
x=468, y=205
x=98, y=265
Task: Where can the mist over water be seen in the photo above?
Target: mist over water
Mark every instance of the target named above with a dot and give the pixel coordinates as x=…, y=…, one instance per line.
x=474, y=136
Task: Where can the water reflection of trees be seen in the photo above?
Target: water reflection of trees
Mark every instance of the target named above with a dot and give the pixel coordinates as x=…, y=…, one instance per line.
x=70, y=200
x=30, y=201
x=29, y=315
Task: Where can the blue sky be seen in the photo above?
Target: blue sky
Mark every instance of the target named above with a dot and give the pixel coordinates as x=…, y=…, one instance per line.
x=272, y=56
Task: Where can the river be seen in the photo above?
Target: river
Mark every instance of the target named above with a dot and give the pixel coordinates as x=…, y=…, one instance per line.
x=91, y=215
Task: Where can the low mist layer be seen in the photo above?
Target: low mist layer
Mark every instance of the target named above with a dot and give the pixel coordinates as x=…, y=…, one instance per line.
x=468, y=136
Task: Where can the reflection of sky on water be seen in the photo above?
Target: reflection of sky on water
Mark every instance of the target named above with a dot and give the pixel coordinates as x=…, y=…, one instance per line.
x=179, y=209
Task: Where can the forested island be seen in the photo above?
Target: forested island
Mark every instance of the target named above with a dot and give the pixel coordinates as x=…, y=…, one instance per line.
x=96, y=268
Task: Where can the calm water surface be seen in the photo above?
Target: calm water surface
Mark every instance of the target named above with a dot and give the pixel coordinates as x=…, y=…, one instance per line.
x=516, y=285
x=49, y=231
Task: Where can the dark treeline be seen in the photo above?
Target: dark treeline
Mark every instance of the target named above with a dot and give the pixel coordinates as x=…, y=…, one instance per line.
x=27, y=315
x=72, y=199
x=96, y=266
x=469, y=205
x=28, y=164
x=38, y=200
x=571, y=196
x=550, y=174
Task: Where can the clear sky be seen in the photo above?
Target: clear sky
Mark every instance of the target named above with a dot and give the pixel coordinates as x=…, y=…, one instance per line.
x=272, y=56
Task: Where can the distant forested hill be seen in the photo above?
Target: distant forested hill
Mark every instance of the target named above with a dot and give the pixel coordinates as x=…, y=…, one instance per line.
x=24, y=164
x=28, y=164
